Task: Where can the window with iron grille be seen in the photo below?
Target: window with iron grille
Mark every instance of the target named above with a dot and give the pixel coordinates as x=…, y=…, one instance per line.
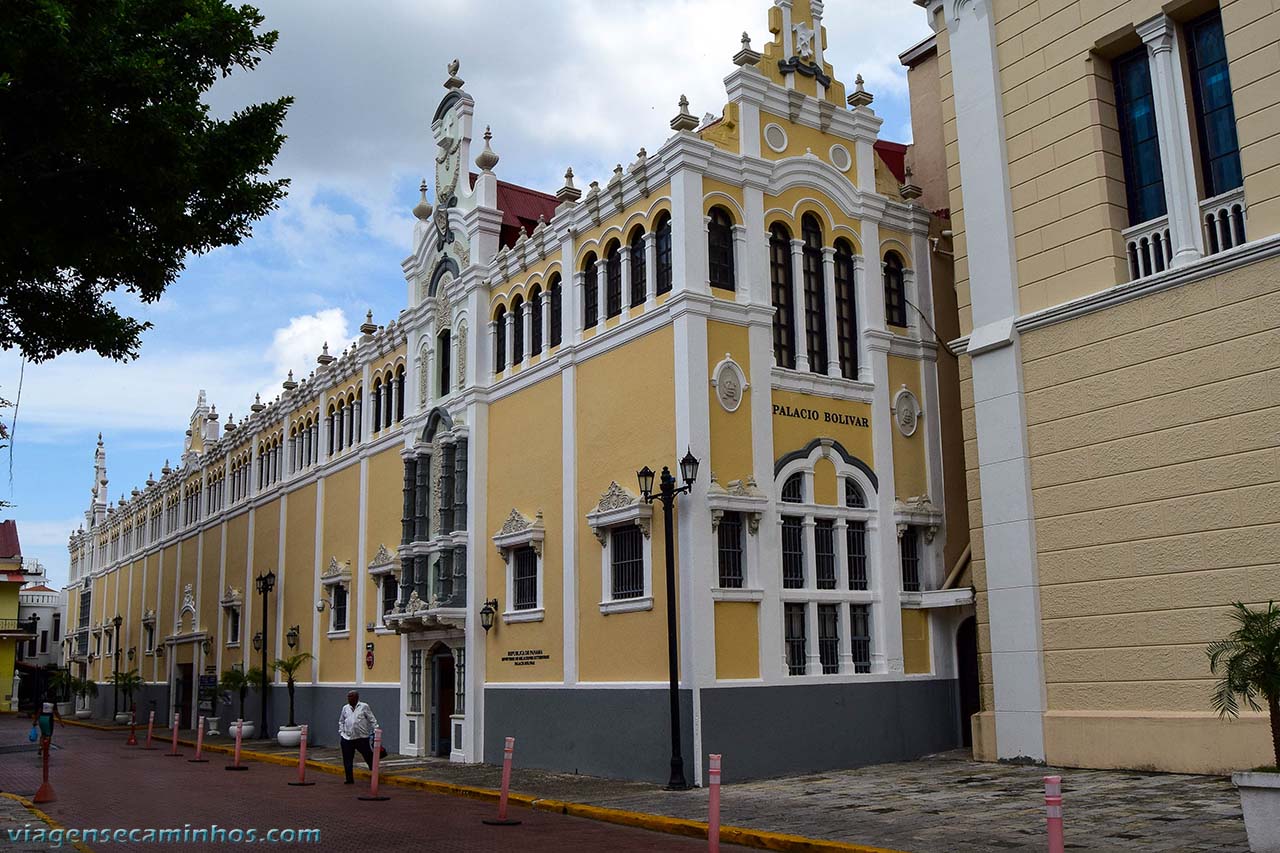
x=853, y=496
x=339, y=608
x=613, y=282
x=444, y=360
x=662, y=252
x=460, y=680
x=638, y=272
x=792, y=552
x=729, y=534
x=590, y=293
x=390, y=589
x=86, y=602
x=415, y=680
x=626, y=558
x=860, y=636
x=553, y=334
x=824, y=552
x=846, y=311
x=793, y=489
x=829, y=638
x=784, y=321
x=720, y=249
x=815, y=299
x=797, y=654
x=895, y=291
x=524, y=579
x=855, y=541
x=910, y=559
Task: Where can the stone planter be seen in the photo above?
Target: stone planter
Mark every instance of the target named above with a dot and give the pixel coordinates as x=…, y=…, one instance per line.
x=246, y=728
x=122, y=718
x=1260, y=800
x=65, y=708
x=289, y=736
x=83, y=713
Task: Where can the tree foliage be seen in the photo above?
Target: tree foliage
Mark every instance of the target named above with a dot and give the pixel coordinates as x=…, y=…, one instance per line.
x=112, y=168
x=1247, y=662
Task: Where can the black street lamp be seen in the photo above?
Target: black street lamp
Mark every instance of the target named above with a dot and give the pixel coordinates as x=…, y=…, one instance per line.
x=115, y=644
x=487, y=613
x=264, y=584
x=292, y=635
x=667, y=491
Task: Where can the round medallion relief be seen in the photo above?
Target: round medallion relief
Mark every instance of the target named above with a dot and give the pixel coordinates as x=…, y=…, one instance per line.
x=840, y=157
x=775, y=137
x=906, y=412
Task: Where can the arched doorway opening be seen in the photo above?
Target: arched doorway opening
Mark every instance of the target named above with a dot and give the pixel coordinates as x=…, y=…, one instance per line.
x=967, y=673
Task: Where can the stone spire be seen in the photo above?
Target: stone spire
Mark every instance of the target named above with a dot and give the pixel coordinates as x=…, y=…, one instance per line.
x=568, y=193
x=422, y=210
x=487, y=159
x=684, y=119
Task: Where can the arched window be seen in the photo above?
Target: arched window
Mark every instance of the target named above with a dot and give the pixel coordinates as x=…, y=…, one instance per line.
x=720, y=249
x=333, y=410
x=638, y=270
x=846, y=311
x=895, y=291
x=517, y=330
x=613, y=280
x=662, y=246
x=377, y=404
x=815, y=299
x=556, y=311
x=793, y=489
x=388, y=401
x=590, y=310
x=444, y=358
x=784, y=321
x=853, y=496
x=399, y=393
x=535, y=322
x=500, y=339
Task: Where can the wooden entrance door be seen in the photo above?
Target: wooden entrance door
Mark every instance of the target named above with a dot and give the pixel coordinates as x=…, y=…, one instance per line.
x=442, y=687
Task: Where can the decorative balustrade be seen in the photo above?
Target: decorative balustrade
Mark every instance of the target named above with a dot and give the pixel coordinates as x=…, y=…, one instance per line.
x=1223, y=217
x=1148, y=247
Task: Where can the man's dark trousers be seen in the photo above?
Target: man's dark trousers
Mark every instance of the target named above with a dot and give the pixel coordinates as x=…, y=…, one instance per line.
x=349, y=750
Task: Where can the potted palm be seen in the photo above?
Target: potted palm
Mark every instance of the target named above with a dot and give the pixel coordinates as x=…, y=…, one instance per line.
x=60, y=682
x=241, y=681
x=84, y=689
x=128, y=683
x=290, y=735
x=1247, y=662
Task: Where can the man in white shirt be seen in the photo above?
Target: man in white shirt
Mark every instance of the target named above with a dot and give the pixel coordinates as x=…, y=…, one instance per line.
x=355, y=725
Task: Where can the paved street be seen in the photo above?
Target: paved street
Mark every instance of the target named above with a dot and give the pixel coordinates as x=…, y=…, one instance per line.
x=122, y=787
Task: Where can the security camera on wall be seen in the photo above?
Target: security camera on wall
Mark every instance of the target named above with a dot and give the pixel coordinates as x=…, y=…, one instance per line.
x=320, y=606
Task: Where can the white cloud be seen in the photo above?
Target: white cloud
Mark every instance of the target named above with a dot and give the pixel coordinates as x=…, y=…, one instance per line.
x=298, y=343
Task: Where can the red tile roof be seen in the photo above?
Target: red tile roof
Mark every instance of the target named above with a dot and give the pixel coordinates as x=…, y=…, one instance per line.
x=9, y=547
x=520, y=208
x=40, y=588
x=894, y=155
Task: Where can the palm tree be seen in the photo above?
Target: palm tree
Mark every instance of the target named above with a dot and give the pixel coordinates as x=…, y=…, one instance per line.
x=84, y=689
x=241, y=681
x=1249, y=661
x=290, y=666
x=127, y=683
x=61, y=682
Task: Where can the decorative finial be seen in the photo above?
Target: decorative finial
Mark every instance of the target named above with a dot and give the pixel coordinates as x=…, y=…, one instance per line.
x=257, y=404
x=908, y=189
x=684, y=120
x=368, y=327
x=487, y=159
x=99, y=439
x=151, y=480
x=642, y=155
x=324, y=358
x=422, y=210
x=747, y=57
x=289, y=384
x=454, y=81
x=860, y=97
x=617, y=174
x=568, y=193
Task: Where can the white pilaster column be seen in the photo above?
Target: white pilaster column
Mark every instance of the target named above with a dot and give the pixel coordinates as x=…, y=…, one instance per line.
x=575, y=298
x=650, y=269
x=625, y=265
x=797, y=298
x=546, y=318
x=740, y=263
x=527, y=343
x=323, y=453
x=829, y=290
x=1174, y=133
x=813, y=662
x=509, y=334
x=366, y=393
x=602, y=292
x=494, y=331
x=356, y=422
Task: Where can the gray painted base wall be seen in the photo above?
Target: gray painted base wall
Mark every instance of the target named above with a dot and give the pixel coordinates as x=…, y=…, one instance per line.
x=804, y=728
x=622, y=734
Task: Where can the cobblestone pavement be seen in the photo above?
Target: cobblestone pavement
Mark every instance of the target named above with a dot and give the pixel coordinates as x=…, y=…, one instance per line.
x=102, y=783
x=14, y=815
x=942, y=804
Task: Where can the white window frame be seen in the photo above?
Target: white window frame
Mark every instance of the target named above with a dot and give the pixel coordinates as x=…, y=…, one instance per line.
x=747, y=500
x=922, y=514
x=619, y=508
x=383, y=565
x=519, y=531
x=231, y=600
x=338, y=574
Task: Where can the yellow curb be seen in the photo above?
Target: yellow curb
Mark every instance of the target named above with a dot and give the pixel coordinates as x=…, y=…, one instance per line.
x=31, y=807
x=742, y=836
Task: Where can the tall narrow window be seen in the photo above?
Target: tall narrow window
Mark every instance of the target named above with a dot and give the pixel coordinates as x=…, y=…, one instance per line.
x=390, y=590
x=895, y=291
x=524, y=579
x=792, y=552
x=627, y=561
x=662, y=246
x=233, y=625
x=846, y=311
x=815, y=300
x=613, y=281
x=339, y=608
x=415, y=681
x=910, y=559
x=553, y=334
x=793, y=489
x=784, y=321
x=638, y=269
x=444, y=360
x=720, y=249
x=1215, y=112
x=590, y=291
x=829, y=638
x=535, y=322
x=795, y=639
x=860, y=636
x=824, y=553
x=399, y=395
x=500, y=340
x=1139, y=143
x=729, y=536
x=377, y=411
x=855, y=542
x=853, y=496
x=517, y=330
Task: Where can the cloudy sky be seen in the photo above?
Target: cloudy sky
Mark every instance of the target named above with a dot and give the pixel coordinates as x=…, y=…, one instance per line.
x=563, y=82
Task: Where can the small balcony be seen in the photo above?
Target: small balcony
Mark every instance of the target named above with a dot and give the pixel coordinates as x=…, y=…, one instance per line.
x=13, y=629
x=1222, y=219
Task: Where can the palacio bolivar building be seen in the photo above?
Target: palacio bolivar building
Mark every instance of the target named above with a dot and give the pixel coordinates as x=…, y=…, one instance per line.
x=451, y=508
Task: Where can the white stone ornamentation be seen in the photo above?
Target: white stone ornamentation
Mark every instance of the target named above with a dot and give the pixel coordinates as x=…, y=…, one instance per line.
x=906, y=411
x=730, y=382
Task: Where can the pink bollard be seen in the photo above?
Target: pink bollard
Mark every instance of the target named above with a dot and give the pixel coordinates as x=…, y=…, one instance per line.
x=508, y=749
x=236, y=765
x=713, y=805
x=302, y=761
x=173, y=749
x=373, y=775
x=151, y=727
x=199, y=743
x=133, y=729
x=1053, y=812
x=45, y=793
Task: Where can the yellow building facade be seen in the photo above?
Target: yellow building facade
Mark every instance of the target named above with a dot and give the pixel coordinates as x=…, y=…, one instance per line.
x=1113, y=172
x=758, y=293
